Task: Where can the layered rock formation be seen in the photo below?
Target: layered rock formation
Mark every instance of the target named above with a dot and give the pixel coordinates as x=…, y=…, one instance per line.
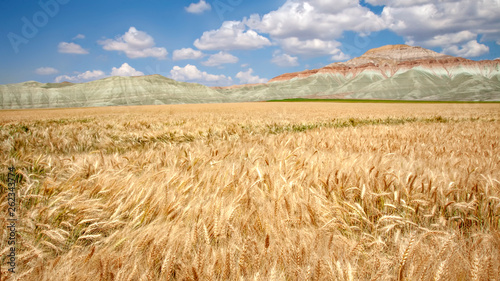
x=393, y=59
x=390, y=72
x=141, y=90
x=398, y=72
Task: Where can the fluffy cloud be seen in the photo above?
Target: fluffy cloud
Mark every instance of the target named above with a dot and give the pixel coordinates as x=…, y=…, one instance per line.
x=231, y=36
x=284, y=60
x=219, y=59
x=340, y=56
x=71, y=48
x=191, y=73
x=135, y=44
x=311, y=27
x=247, y=77
x=302, y=26
x=198, y=8
x=333, y=7
x=314, y=47
x=402, y=3
x=470, y=49
x=462, y=44
x=187, y=54
x=450, y=39
x=79, y=36
x=46, y=71
x=82, y=77
x=125, y=70
x=316, y=19
x=450, y=24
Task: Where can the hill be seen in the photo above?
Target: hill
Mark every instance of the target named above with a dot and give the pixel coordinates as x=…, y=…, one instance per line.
x=139, y=90
x=398, y=72
x=393, y=72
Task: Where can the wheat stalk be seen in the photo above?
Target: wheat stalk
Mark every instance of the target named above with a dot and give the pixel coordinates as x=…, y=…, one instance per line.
x=405, y=257
x=255, y=191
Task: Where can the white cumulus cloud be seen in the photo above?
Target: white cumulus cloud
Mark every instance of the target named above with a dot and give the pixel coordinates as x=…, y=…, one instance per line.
x=402, y=3
x=312, y=27
x=232, y=35
x=46, y=71
x=71, y=48
x=453, y=25
x=469, y=49
x=198, y=8
x=90, y=75
x=450, y=39
x=79, y=36
x=187, y=54
x=316, y=19
x=190, y=73
x=313, y=47
x=219, y=59
x=246, y=77
x=81, y=77
x=125, y=70
x=135, y=44
x=284, y=60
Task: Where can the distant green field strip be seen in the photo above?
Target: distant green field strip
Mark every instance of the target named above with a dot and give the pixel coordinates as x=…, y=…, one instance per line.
x=357, y=122
x=374, y=101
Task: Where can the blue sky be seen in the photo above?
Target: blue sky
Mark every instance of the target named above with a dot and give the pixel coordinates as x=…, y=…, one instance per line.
x=226, y=42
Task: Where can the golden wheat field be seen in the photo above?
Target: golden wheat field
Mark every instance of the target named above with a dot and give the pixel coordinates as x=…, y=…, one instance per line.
x=256, y=191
